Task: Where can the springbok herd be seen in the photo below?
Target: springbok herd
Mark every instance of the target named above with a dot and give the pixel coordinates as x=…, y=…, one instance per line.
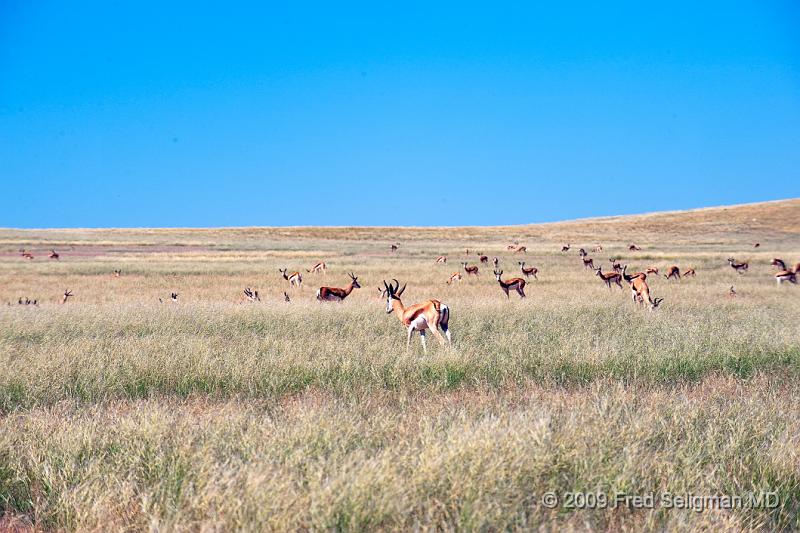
x=433, y=315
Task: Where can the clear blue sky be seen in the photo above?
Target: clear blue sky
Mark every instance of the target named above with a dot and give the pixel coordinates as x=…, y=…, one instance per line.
x=286, y=113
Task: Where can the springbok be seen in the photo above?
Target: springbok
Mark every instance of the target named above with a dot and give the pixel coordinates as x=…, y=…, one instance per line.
x=484, y=259
x=756, y=245
x=173, y=296
x=53, y=255
x=597, y=248
x=786, y=275
x=472, y=270
x=582, y=252
x=394, y=248
x=319, y=268
x=67, y=295
x=652, y=270
x=455, y=276
x=294, y=279
x=673, y=272
x=521, y=249
x=26, y=255
x=689, y=272
x=588, y=262
x=528, y=271
x=251, y=295
x=517, y=284
x=640, y=292
x=609, y=277
x=778, y=263
x=741, y=268
x=495, y=261
x=615, y=264
x=634, y=248
x=565, y=248
x=429, y=315
x=441, y=259
x=637, y=275
x=335, y=294
x=511, y=247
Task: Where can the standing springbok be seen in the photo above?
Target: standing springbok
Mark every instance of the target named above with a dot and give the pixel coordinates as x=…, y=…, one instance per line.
x=484, y=259
x=319, y=268
x=495, y=261
x=517, y=284
x=588, y=262
x=673, y=272
x=455, y=276
x=394, y=248
x=67, y=295
x=778, y=263
x=441, y=259
x=565, y=248
x=528, y=271
x=615, y=264
x=788, y=275
x=609, y=277
x=294, y=279
x=429, y=315
x=335, y=294
x=582, y=252
x=741, y=268
x=471, y=270
x=53, y=255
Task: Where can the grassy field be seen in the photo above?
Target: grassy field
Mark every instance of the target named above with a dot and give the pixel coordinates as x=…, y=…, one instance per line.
x=119, y=412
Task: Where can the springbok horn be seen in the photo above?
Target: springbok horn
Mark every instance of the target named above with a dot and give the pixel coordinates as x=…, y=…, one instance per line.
x=400, y=293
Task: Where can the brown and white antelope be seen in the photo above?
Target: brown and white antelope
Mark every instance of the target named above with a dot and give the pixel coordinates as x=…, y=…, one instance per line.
x=565, y=248
x=609, y=277
x=117, y=273
x=335, y=294
x=521, y=249
x=673, y=272
x=251, y=295
x=429, y=315
x=26, y=255
x=484, y=259
x=394, y=248
x=441, y=259
x=495, y=261
x=588, y=262
x=516, y=284
x=470, y=269
x=778, y=263
x=455, y=276
x=582, y=252
x=629, y=279
x=634, y=248
x=615, y=265
x=652, y=270
x=319, y=268
x=640, y=292
x=294, y=278
x=53, y=255
x=741, y=268
x=597, y=248
x=786, y=275
x=689, y=272
x=67, y=295
x=528, y=271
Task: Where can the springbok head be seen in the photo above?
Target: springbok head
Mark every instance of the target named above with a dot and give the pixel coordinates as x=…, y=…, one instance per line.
x=393, y=292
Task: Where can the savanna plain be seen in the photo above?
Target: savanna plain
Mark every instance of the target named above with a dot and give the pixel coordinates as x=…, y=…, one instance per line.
x=122, y=409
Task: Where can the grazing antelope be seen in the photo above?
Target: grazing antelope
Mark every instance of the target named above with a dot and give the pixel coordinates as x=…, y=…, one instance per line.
x=565, y=248
x=588, y=262
x=173, y=296
x=319, y=268
x=26, y=255
x=521, y=249
x=251, y=295
x=455, y=276
x=528, y=271
x=786, y=275
x=517, y=284
x=429, y=315
x=731, y=292
x=652, y=270
x=394, y=248
x=738, y=267
x=634, y=248
x=441, y=259
x=117, y=273
x=67, y=295
x=673, y=272
x=597, y=248
x=582, y=252
x=778, y=263
x=609, y=277
x=689, y=272
x=756, y=245
x=53, y=255
x=615, y=265
x=472, y=270
x=495, y=261
x=484, y=259
x=294, y=279
x=335, y=294
x=286, y=297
